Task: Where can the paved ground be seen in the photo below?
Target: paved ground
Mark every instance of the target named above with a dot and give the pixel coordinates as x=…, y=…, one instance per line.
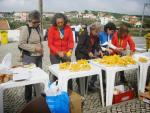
x=14, y=98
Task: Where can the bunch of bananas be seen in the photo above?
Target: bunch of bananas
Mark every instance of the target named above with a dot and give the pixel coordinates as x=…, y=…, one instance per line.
x=142, y=59
x=116, y=60
x=64, y=66
x=80, y=65
x=69, y=53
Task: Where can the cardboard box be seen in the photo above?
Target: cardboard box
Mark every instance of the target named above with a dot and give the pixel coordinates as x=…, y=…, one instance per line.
x=75, y=102
x=123, y=96
x=145, y=97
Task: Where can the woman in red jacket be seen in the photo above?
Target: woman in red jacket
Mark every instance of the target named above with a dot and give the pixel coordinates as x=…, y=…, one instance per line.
x=121, y=39
x=60, y=40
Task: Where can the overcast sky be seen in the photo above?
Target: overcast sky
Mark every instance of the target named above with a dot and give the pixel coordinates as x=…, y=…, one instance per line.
x=118, y=6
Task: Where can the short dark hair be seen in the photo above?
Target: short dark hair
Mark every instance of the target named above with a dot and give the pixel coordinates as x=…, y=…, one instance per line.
x=110, y=26
x=59, y=15
x=34, y=15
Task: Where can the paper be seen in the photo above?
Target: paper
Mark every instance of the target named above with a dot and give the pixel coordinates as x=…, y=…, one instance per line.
x=21, y=73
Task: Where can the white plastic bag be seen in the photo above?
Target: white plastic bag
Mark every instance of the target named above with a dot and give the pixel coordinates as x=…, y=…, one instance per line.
x=53, y=89
x=6, y=62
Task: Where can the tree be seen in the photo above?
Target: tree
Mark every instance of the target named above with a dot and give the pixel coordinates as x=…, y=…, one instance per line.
x=86, y=11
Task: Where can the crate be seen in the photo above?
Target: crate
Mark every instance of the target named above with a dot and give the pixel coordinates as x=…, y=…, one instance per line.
x=127, y=95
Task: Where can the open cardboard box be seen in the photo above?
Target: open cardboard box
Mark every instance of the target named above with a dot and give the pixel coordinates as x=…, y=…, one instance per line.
x=75, y=102
x=145, y=97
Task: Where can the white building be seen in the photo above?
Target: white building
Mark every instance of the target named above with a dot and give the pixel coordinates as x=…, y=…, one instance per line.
x=138, y=24
x=21, y=16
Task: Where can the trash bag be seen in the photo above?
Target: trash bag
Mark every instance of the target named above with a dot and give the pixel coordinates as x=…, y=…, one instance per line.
x=57, y=100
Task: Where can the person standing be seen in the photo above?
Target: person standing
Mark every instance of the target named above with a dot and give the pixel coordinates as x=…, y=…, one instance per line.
x=60, y=41
x=30, y=44
x=87, y=47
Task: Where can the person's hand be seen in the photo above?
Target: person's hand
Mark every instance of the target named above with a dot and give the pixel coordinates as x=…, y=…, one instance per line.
x=101, y=53
x=91, y=54
x=69, y=53
x=110, y=51
x=119, y=50
x=39, y=49
x=60, y=53
x=131, y=53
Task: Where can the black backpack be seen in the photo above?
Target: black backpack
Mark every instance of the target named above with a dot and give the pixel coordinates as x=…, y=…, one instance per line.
x=23, y=51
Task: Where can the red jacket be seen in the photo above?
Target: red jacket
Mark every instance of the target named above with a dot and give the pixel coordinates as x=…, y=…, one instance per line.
x=122, y=42
x=56, y=44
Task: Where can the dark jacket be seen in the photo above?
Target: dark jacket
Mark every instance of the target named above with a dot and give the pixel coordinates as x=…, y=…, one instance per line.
x=85, y=45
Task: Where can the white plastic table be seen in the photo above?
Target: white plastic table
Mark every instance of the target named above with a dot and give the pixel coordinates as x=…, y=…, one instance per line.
x=37, y=75
x=143, y=70
x=110, y=78
x=143, y=75
x=64, y=75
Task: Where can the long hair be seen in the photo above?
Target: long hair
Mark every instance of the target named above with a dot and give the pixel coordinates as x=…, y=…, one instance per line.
x=59, y=15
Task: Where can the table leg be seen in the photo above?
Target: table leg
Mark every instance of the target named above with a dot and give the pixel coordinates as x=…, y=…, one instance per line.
x=110, y=79
x=101, y=89
x=1, y=101
x=63, y=84
x=143, y=76
x=82, y=85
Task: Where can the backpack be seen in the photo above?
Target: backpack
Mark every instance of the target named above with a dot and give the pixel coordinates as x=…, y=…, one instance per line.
x=25, y=51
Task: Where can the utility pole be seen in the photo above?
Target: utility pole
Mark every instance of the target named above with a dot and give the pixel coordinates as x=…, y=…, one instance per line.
x=145, y=5
x=41, y=12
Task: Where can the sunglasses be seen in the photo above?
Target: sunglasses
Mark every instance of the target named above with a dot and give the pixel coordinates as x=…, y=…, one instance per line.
x=35, y=22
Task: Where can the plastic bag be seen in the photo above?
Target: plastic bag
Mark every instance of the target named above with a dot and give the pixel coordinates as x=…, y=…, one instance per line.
x=6, y=64
x=57, y=100
x=7, y=60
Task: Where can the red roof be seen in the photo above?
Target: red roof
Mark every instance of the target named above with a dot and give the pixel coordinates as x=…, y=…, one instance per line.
x=4, y=25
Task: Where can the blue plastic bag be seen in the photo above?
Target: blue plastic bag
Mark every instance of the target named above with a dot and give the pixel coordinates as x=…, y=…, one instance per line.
x=57, y=101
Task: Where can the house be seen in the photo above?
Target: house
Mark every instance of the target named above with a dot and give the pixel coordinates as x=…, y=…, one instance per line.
x=1, y=15
x=89, y=15
x=21, y=16
x=138, y=24
x=49, y=14
x=4, y=25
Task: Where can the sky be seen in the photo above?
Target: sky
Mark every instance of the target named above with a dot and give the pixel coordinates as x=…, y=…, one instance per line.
x=116, y=6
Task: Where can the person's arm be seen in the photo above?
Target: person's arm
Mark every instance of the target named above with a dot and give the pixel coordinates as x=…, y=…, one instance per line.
x=98, y=48
x=83, y=44
x=51, y=40
x=24, y=36
x=97, y=45
x=111, y=45
x=70, y=41
x=131, y=44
